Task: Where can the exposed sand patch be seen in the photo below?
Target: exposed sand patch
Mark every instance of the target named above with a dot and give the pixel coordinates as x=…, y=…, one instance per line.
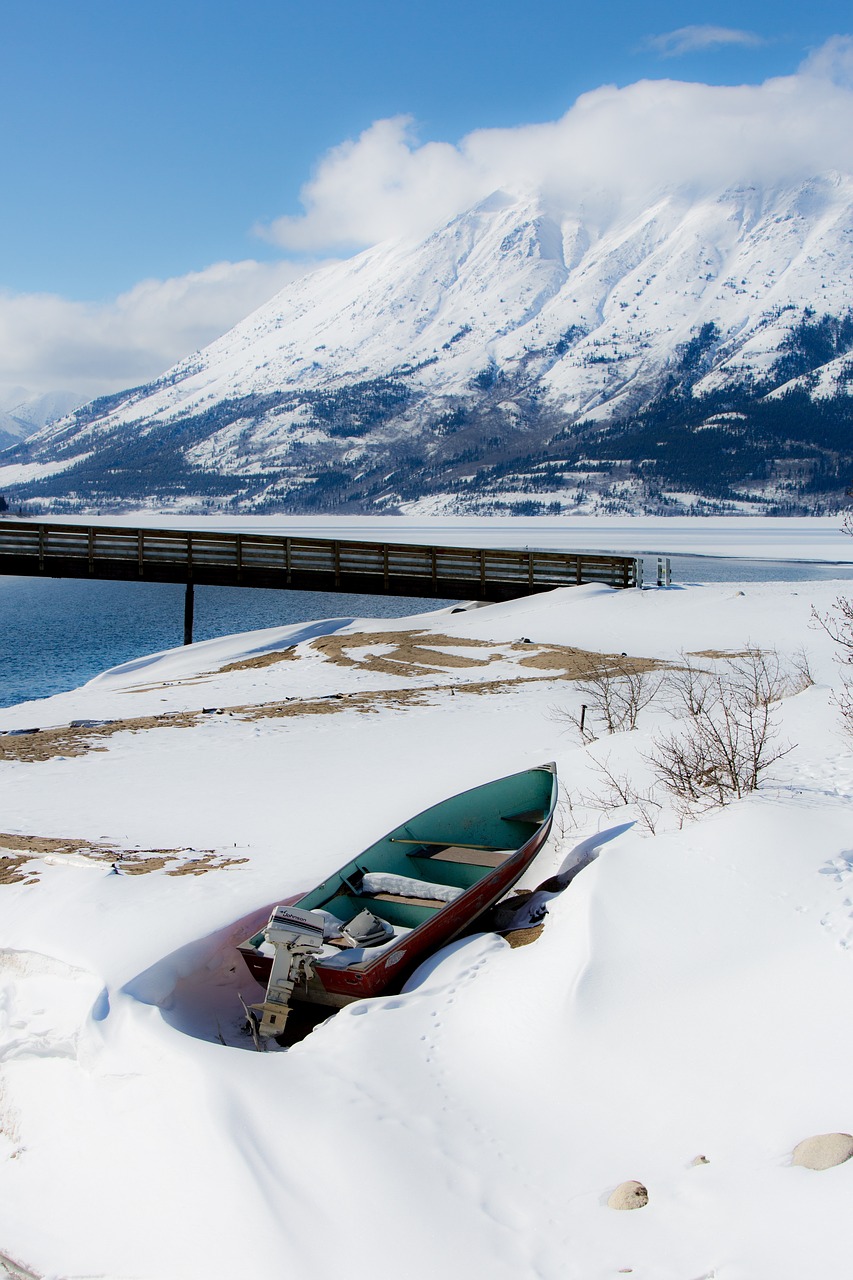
x=261, y=660
x=18, y=853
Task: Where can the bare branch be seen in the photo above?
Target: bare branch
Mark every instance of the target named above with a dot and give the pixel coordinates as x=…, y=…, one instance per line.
x=801, y=673
x=618, y=791
x=838, y=625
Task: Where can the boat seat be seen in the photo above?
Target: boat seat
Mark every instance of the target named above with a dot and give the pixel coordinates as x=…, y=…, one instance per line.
x=397, y=886
x=471, y=855
x=403, y=899
x=467, y=857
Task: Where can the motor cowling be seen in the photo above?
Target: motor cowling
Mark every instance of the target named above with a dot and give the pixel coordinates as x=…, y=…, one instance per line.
x=297, y=937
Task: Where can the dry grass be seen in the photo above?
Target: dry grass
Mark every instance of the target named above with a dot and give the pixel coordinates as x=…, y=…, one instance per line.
x=18, y=853
x=260, y=660
x=65, y=740
x=45, y=844
x=523, y=937
x=718, y=653
x=579, y=664
x=15, y=871
x=412, y=653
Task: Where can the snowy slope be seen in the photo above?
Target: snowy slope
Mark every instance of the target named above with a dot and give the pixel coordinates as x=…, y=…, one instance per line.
x=687, y=995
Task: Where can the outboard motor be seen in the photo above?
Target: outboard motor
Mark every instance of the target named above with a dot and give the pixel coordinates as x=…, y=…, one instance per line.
x=297, y=937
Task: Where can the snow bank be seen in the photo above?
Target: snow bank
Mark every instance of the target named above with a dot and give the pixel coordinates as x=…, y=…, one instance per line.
x=687, y=996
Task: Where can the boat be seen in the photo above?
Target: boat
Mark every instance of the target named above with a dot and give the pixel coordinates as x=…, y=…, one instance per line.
x=366, y=927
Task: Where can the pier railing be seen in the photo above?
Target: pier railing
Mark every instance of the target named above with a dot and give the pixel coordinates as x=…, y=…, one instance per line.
x=318, y=564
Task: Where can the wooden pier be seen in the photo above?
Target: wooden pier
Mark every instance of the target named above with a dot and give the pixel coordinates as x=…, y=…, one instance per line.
x=36, y=549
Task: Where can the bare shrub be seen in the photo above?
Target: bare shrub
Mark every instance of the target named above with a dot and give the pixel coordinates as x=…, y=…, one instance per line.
x=614, y=692
x=727, y=738
x=843, y=699
x=838, y=625
x=616, y=790
x=565, y=819
x=801, y=673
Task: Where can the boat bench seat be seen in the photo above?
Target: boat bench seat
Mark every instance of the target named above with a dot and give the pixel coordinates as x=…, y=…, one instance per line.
x=459, y=854
x=404, y=899
x=471, y=855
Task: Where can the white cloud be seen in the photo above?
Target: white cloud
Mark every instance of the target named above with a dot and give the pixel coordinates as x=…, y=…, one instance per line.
x=614, y=146
x=832, y=61
x=48, y=342
x=672, y=44
x=367, y=190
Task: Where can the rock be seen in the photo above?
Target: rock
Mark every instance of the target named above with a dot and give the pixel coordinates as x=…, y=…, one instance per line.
x=823, y=1151
x=700, y=1160
x=628, y=1195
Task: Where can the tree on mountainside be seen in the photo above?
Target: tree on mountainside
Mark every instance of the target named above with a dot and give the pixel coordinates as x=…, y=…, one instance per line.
x=4, y=506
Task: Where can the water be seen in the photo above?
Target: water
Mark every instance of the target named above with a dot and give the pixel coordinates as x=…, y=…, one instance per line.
x=57, y=633
x=722, y=569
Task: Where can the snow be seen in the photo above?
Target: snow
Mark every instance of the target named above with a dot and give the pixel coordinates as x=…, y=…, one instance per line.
x=388, y=882
x=687, y=996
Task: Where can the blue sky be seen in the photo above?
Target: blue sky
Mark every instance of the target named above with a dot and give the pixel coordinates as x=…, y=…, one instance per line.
x=147, y=141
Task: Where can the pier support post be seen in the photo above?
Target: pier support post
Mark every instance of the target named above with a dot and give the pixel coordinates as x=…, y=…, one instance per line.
x=188, y=614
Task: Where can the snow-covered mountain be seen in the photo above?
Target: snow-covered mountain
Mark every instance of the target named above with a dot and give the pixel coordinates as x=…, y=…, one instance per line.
x=514, y=356
x=23, y=417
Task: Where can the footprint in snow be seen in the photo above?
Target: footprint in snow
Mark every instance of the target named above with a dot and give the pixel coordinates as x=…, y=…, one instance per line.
x=44, y=1005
